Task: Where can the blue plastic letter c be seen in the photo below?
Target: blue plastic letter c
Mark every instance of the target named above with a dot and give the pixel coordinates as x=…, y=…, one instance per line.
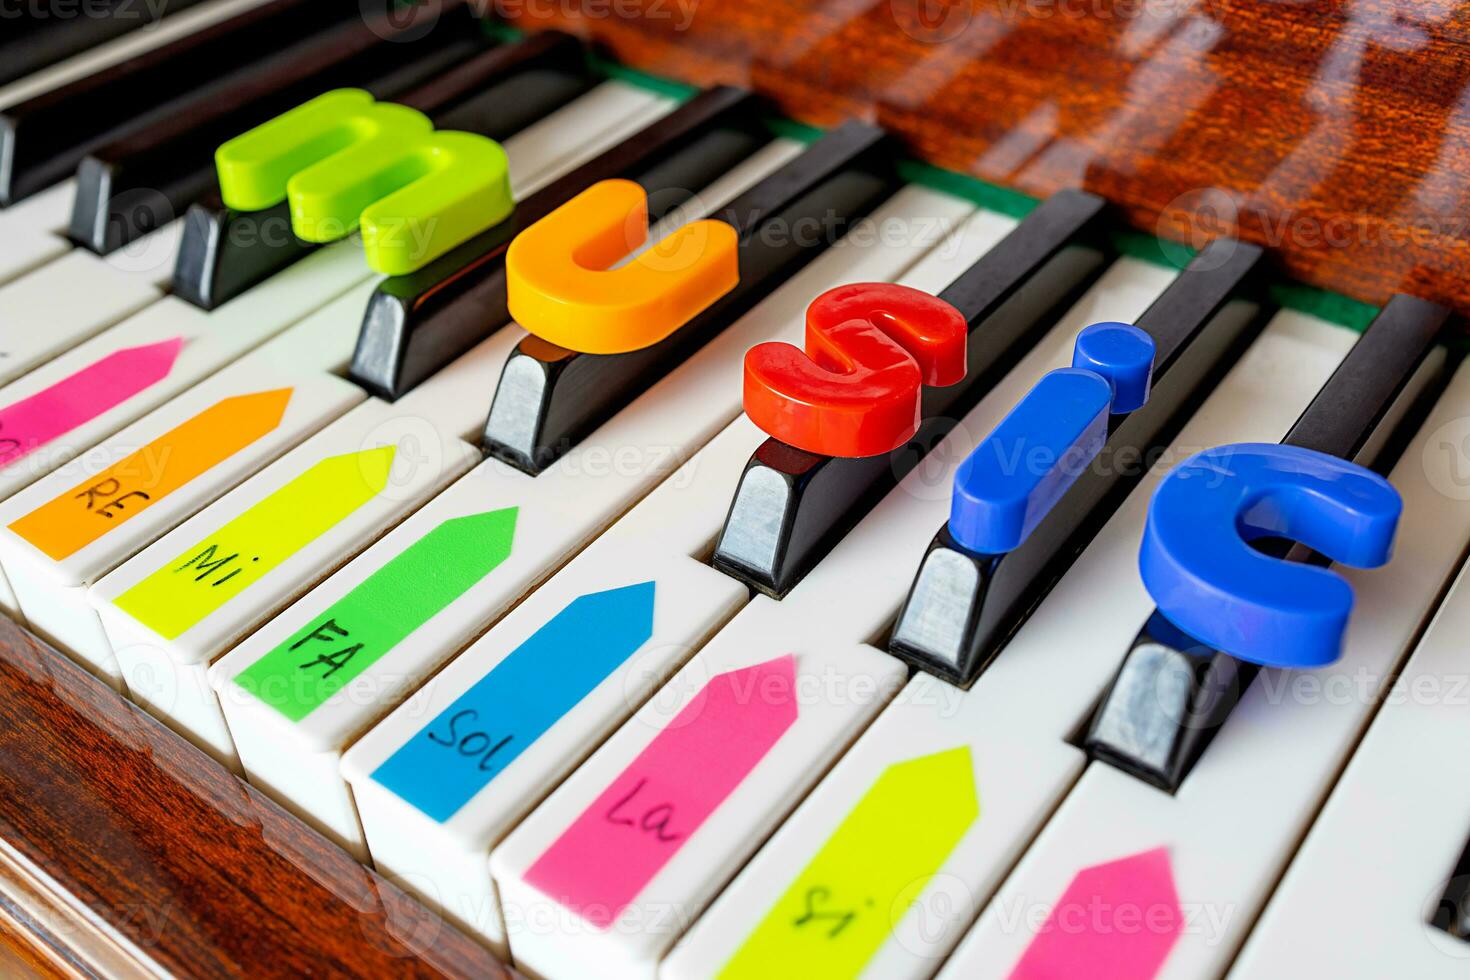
x=1198, y=565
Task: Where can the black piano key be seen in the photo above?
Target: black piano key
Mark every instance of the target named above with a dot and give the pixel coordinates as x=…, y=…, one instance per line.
x=549, y=397
x=1452, y=914
x=791, y=506
x=1173, y=693
x=223, y=252
x=143, y=180
x=416, y=323
x=32, y=41
x=496, y=93
x=963, y=607
x=43, y=139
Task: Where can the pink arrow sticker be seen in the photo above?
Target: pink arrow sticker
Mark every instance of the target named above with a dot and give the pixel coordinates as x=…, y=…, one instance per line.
x=1116, y=921
x=79, y=398
x=610, y=852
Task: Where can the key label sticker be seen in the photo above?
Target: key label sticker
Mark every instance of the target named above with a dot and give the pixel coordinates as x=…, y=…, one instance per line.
x=1075, y=941
x=640, y=822
x=200, y=580
x=844, y=905
x=356, y=631
x=467, y=745
x=77, y=399
x=88, y=511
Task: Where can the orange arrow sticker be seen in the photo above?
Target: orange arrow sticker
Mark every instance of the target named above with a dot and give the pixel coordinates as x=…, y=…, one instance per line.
x=92, y=508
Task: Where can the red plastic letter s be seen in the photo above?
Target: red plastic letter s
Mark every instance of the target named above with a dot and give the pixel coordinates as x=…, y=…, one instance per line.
x=855, y=390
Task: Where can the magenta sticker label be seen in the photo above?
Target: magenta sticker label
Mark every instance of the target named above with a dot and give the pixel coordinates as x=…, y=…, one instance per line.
x=1116, y=921
x=77, y=399
x=609, y=853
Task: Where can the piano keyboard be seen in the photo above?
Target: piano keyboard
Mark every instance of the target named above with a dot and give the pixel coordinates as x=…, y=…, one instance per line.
x=547, y=623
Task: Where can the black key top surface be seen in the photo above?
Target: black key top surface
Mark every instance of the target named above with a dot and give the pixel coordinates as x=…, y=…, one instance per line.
x=1172, y=693
x=963, y=607
x=550, y=398
x=414, y=322
x=43, y=139
x=791, y=506
x=497, y=92
x=142, y=181
x=45, y=34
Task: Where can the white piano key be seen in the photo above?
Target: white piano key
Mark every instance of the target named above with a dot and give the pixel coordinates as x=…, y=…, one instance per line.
x=299, y=520
x=217, y=337
x=209, y=342
x=149, y=258
x=1359, y=893
x=445, y=858
x=682, y=516
x=9, y=604
x=589, y=651
x=727, y=187
x=546, y=532
x=44, y=211
x=77, y=294
x=557, y=511
x=20, y=252
x=929, y=716
x=845, y=603
x=628, y=455
x=1041, y=688
x=58, y=594
x=33, y=231
x=579, y=131
x=896, y=912
x=790, y=693
x=63, y=303
x=106, y=527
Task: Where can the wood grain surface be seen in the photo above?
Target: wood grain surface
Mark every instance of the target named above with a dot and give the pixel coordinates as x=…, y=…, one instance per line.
x=186, y=870
x=1335, y=132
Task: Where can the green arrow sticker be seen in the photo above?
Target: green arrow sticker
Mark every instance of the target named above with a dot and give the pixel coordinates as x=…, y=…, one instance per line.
x=357, y=630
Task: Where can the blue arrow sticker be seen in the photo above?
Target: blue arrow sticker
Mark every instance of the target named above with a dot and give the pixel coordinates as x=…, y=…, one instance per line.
x=476, y=738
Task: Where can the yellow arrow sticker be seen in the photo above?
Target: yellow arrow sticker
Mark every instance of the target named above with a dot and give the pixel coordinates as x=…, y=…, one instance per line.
x=214, y=571
x=845, y=903
x=92, y=508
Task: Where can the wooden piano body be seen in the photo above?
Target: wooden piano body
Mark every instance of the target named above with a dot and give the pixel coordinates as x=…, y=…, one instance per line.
x=1337, y=134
